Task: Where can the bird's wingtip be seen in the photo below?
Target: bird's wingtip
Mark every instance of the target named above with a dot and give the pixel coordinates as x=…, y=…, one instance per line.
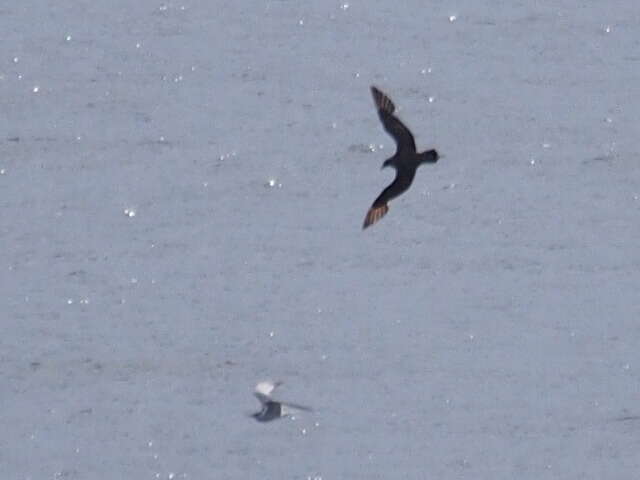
x=374, y=214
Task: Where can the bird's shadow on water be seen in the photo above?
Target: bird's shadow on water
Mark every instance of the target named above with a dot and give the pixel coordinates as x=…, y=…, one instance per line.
x=608, y=159
x=627, y=418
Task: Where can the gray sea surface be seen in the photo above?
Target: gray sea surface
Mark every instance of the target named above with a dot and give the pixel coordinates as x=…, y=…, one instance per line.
x=182, y=189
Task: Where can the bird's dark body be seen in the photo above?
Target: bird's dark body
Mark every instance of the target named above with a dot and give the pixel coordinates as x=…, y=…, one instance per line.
x=270, y=411
x=405, y=161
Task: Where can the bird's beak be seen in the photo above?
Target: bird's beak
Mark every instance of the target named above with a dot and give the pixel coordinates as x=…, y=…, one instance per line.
x=384, y=165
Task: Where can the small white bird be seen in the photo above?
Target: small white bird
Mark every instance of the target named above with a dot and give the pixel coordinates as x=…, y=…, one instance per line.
x=273, y=409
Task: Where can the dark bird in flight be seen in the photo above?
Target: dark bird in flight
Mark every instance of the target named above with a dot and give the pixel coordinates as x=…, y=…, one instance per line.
x=272, y=409
x=406, y=159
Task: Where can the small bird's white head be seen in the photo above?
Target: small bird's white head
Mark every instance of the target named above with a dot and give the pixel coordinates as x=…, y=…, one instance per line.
x=264, y=390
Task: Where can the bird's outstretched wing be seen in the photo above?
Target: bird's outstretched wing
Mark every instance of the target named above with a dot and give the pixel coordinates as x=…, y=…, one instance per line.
x=395, y=128
x=297, y=406
x=380, y=207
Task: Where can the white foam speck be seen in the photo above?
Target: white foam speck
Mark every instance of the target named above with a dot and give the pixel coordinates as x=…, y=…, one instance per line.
x=2, y=171
x=68, y=38
x=129, y=212
x=36, y=89
x=16, y=59
x=301, y=22
x=344, y=6
x=431, y=99
x=452, y=18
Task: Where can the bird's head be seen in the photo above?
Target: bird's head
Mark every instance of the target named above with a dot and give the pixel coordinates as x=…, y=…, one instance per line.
x=430, y=156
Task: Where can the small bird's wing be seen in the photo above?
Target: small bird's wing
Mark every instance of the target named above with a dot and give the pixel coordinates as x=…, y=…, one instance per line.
x=297, y=406
x=395, y=128
x=264, y=390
